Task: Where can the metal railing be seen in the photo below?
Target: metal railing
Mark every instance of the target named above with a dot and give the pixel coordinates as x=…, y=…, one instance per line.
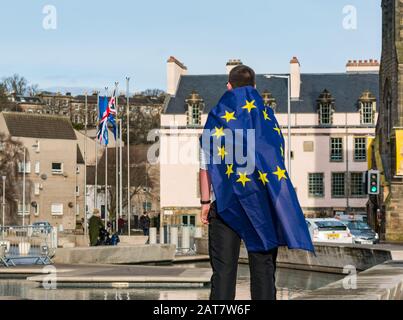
x=183, y=236
x=27, y=245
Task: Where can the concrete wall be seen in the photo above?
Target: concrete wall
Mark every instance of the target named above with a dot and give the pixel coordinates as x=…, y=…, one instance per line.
x=115, y=254
x=329, y=257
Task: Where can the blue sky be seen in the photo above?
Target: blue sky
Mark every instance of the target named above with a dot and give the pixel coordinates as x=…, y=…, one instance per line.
x=99, y=42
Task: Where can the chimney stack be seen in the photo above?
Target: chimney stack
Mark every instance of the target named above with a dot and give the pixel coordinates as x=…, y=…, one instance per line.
x=232, y=63
x=295, y=73
x=362, y=66
x=175, y=69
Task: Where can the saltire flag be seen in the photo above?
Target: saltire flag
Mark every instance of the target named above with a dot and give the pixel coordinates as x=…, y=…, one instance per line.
x=255, y=197
x=107, y=114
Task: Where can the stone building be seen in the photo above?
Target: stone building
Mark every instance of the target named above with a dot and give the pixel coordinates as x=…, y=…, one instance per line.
x=387, y=151
x=54, y=168
x=333, y=118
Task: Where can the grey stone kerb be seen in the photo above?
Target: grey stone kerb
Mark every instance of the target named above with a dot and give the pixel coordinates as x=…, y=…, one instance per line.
x=382, y=282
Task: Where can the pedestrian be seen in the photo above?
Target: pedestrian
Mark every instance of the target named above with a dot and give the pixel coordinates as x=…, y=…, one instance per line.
x=145, y=223
x=253, y=199
x=121, y=225
x=95, y=225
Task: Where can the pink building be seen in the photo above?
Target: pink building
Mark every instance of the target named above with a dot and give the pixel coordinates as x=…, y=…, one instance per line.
x=333, y=117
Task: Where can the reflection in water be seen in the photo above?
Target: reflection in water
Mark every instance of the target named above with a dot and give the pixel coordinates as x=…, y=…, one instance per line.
x=289, y=283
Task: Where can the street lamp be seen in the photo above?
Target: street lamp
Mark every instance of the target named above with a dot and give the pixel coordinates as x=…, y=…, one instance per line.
x=289, y=117
x=4, y=205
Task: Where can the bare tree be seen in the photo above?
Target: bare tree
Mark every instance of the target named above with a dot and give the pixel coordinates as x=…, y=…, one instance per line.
x=5, y=103
x=16, y=84
x=11, y=154
x=153, y=92
x=140, y=125
x=139, y=176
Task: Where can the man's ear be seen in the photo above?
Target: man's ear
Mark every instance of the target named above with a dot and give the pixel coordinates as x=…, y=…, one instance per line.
x=229, y=86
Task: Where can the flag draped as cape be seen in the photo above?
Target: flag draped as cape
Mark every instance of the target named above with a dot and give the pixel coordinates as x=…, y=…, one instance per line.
x=245, y=151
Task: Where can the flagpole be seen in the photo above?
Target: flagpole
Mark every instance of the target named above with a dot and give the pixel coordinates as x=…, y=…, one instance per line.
x=117, y=159
x=85, y=165
x=121, y=169
x=96, y=159
x=106, y=176
x=128, y=153
x=23, y=187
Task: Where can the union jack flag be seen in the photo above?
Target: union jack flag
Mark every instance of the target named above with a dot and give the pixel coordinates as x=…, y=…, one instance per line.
x=107, y=114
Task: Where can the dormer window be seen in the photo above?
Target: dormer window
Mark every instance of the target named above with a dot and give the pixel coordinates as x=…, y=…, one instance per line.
x=367, y=107
x=325, y=108
x=269, y=100
x=195, y=106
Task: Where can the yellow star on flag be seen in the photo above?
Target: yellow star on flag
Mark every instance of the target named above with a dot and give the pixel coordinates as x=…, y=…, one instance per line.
x=229, y=116
x=280, y=174
x=222, y=153
x=266, y=115
x=249, y=105
x=243, y=178
x=263, y=177
x=282, y=151
x=229, y=170
x=219, y=132
x=277, y=129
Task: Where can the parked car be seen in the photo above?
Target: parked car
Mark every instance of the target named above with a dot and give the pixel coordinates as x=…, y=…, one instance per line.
x=362, y=232
x=350, y=217
x=329, y=230
x=41, y=227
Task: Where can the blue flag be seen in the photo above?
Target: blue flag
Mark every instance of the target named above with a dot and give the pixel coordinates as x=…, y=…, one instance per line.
x=106, y=114
x=244, y=147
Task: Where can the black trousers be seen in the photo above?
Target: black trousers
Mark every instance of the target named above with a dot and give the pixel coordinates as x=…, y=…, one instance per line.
x=224, y=247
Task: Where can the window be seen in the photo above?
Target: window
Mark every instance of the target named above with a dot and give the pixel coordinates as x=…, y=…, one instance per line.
x=316, y=187
x=338, y=185
x=37, y=188
x=57, y=209
x=360, y=149
x=77, y=210
x=37, y=146
x=189, y=220
x=21, y=207
x=147, y=206
x=37, y=167
x=325, y=114
x=357, y=184
x=77, y=190
x=27, y=167
x=35, y=207
x=367, y=112
x=57, y=167
x=325, y=105
x=195, y=105
x=336, y=149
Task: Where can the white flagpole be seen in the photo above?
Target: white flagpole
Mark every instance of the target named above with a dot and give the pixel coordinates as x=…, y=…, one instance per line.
x=121, y=168
x=106, y=176
x=96, y=159
x=23, y=187
x=128, y=153
x=85, y=165
x=117, y=157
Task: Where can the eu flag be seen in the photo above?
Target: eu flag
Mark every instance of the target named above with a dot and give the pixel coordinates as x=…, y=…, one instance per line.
x=245, y=149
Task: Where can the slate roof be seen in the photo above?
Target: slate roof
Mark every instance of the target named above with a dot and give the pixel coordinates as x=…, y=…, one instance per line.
x=39, y=126
x=345, y=88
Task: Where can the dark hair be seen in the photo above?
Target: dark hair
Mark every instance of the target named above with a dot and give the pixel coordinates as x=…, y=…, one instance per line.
x=242, y=76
